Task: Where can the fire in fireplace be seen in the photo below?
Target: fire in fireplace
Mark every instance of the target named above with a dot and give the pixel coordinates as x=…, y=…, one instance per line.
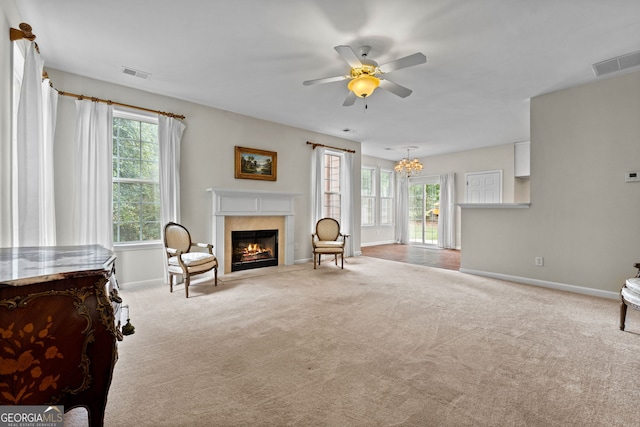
x=254, y=249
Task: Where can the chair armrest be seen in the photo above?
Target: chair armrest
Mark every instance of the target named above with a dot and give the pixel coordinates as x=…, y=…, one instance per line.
x=209, y=246
x=171, y=251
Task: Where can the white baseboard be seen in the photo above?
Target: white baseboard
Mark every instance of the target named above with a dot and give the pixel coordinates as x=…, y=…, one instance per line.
x=545, y=284
x=384, y=242
x=141, y=284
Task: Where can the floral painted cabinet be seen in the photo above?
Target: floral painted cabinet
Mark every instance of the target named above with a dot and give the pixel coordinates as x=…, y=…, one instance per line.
x=57, y=327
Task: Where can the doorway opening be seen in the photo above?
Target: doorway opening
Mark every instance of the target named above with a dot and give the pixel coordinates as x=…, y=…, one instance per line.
x=424, y=211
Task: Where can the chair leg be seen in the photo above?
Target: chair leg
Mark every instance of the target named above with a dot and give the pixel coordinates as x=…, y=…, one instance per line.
x=215, y=275
x=342, y=259
x=623, y=315
x=170, y=282
x=335, y=259
x=186, y=285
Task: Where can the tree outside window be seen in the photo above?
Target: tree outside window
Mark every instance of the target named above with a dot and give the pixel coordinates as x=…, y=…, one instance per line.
x=136, y=186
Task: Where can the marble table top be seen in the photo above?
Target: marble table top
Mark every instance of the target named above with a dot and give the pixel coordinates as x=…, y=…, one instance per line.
x=27, y=265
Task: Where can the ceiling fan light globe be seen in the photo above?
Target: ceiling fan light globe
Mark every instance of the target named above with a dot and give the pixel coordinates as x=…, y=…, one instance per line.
x=364, y=85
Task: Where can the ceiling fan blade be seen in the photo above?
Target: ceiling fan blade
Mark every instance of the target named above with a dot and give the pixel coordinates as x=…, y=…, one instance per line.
x=407, y=61
x=349, y=100
x=395, y=88
x=325, y=80
x=349, y=55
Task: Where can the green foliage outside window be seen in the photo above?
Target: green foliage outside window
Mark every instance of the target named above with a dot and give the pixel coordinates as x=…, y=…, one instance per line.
x=136, y=189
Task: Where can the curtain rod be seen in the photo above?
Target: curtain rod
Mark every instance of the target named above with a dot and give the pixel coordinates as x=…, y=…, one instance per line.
x=25, y=32
x=328, y=146
x=108, y=101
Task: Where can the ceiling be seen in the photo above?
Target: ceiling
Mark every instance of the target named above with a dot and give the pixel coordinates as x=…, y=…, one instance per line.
x=485, y=59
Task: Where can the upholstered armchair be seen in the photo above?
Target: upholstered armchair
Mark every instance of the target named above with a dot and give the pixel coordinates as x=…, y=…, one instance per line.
x=629, y=296
x=328, y=240
x=181, y=261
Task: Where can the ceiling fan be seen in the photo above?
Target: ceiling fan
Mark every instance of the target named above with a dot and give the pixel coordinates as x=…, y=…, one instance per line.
x=366, y=75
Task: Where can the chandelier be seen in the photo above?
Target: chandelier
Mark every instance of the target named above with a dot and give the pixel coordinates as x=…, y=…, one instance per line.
x=408, y=168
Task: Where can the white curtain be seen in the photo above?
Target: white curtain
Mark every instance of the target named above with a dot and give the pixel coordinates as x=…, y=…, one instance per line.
x=348, y=220
x=34, y=207
x=317, y=162
x=447, y=217
x=169, y=137
x=93, y=203
x=402, y=209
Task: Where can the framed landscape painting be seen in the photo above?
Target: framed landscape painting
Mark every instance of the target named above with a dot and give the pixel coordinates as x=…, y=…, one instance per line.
x=252, y=163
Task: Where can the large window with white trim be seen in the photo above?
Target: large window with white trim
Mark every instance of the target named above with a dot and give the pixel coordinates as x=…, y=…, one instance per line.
x=377, y=196
x=136, y=182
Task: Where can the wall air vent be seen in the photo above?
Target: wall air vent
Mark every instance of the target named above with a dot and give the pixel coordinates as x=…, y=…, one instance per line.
x=618, y=63
x=136, y=73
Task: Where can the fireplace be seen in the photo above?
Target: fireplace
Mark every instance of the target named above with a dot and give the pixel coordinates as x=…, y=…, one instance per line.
x=254, y=249
x=245, y=210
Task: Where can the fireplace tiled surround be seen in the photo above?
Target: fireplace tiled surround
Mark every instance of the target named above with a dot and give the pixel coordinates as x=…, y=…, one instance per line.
x=238, y=210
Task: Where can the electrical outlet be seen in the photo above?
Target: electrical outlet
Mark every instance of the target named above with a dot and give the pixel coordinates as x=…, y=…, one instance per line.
x=539, y=261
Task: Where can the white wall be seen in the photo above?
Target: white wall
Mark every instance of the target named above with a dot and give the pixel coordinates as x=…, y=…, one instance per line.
x=583, y=217
x=499, y=157
x=207, y=160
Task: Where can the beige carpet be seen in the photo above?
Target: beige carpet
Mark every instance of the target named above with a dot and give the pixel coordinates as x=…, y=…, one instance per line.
x=379, y=343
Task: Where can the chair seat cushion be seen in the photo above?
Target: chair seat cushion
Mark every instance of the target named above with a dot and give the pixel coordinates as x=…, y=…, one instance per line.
x=334, y=244
x=193, y=259
x=631, y=297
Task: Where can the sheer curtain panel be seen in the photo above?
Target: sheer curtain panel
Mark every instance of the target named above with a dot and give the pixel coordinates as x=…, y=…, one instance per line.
x=169, y=137
x=93, y=209
x=34, y=222
x=447, y=218
x=402, y=209
x=317, y=162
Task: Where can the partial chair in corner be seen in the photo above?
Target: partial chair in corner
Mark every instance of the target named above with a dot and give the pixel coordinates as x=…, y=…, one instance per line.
x=630, y=296
x=181, y=261
x=328, y=240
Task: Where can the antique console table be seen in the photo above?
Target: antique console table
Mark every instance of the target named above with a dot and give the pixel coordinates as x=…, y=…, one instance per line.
x=57, y=327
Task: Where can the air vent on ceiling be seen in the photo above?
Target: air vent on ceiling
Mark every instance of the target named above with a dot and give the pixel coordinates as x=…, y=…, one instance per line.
x=135, y=73
x=618, y=63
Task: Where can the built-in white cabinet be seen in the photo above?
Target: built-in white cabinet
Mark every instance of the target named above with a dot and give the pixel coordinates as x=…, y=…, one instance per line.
x=522, y=161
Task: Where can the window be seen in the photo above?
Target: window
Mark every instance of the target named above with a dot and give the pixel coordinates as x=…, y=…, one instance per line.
x=386, y=197
x=367, y=189
x=332, y=195
x=136, y=185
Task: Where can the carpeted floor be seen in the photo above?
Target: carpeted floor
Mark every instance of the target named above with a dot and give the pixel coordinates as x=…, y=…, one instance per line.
x=379, y=343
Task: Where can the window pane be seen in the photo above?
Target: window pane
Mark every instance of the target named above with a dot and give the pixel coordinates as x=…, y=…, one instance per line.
x=136, y=189
x=386, y=211
x=368, y=211
x=366, y=182
x=386, y=184
x=332, y=206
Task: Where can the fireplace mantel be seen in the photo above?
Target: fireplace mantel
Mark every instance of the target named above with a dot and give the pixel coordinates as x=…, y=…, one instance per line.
x=235, y=202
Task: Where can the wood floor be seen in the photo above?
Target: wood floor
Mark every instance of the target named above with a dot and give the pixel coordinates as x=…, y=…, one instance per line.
x=432, y=257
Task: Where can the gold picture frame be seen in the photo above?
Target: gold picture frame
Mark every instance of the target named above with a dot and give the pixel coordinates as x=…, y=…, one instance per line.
x=252, y=163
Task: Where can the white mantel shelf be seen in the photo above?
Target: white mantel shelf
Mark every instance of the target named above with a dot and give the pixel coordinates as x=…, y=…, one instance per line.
x=495, y=205
x=237, y=202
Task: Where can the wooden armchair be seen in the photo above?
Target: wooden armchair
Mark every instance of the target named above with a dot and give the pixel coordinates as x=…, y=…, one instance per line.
x=181, y=261
x=328, y=240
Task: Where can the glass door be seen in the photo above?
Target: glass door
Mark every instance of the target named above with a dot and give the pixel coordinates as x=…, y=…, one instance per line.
x=424, y=211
